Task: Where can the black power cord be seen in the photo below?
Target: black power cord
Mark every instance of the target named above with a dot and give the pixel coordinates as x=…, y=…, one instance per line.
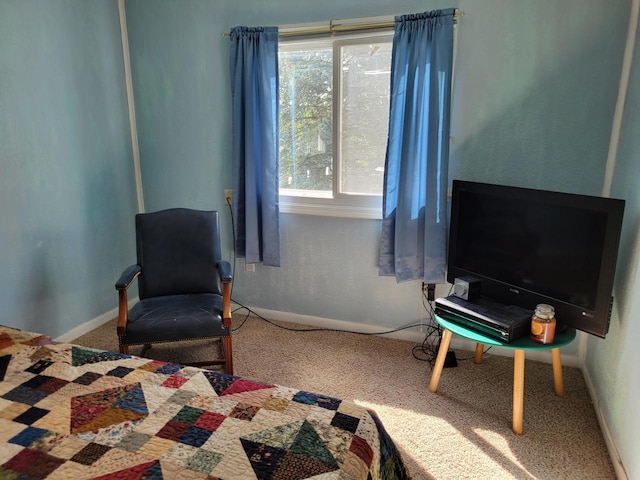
x=313, y=329
x=310, y=329
x=427, y=351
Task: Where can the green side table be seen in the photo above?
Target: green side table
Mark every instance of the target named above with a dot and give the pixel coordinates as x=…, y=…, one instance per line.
x=519, y=346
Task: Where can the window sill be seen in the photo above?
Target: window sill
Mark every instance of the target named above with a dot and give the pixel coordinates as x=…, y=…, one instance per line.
x=328, y=208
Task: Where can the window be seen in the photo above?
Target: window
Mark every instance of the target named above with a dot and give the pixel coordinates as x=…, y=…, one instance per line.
x=334, y=115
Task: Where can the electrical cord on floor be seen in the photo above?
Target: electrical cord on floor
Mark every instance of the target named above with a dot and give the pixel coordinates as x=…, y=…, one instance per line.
x=255, y=314
x=312, y=329
x=428, y=349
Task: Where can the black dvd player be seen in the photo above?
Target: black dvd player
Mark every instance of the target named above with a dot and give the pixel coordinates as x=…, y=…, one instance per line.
x=504, y=323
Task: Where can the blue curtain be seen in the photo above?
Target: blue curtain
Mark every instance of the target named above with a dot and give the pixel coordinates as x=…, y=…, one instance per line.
x=254, y=92
x=414, y=224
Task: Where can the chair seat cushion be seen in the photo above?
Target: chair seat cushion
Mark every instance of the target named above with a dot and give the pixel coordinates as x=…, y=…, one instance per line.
x=175, y=317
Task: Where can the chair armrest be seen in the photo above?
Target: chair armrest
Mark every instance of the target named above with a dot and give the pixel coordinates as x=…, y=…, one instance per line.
x=128, y=276
x=122, y=285
x=224, y=269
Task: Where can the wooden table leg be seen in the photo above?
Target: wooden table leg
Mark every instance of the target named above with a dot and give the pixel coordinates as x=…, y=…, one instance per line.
x=557, y=372
x=442, y=353
x=479, y=351
x=518, y=390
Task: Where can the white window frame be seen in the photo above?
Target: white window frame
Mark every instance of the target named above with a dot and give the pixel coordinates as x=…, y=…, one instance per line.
x=334, y=204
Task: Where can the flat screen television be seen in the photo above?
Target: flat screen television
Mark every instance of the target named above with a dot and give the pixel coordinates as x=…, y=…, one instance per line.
x=531, y=246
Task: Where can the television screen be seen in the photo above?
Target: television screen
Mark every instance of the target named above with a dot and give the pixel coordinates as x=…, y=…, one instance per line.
x=531, y=246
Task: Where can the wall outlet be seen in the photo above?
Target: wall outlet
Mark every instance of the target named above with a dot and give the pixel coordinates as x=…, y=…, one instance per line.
x=429, y=289
x=250, y=267
x=228, y=197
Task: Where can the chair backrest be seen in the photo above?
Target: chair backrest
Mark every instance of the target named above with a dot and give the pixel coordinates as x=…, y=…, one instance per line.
x=178, y=250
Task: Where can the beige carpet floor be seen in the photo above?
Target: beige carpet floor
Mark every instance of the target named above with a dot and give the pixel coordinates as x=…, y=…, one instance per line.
x=463, y=431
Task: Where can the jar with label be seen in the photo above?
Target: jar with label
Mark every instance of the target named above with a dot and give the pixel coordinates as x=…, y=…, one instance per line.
x=543, y=324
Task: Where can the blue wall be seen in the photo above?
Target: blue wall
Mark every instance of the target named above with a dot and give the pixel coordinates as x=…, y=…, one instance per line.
x=180, y=69
x=535, y=92
x=66, y=183
x=525, y=112
x=614, y=364
x=534, y=97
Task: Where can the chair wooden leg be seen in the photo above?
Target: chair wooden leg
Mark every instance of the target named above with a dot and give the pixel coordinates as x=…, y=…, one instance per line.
x=124, y=349
x=228, y=355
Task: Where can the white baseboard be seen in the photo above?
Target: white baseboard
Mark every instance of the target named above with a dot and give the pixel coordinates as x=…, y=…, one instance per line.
x=616, y=460
x=411, y=334
x=91, y=324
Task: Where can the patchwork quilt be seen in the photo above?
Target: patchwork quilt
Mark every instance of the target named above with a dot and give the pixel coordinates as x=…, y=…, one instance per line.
x=71, y=412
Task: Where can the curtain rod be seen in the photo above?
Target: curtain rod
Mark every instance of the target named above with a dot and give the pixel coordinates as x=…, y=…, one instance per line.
x=331, y=28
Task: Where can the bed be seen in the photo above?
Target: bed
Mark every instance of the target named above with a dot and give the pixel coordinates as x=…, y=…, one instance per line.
x=68, y=411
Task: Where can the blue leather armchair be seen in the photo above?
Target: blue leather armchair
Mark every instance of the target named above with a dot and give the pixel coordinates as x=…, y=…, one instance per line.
x=184, y=285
